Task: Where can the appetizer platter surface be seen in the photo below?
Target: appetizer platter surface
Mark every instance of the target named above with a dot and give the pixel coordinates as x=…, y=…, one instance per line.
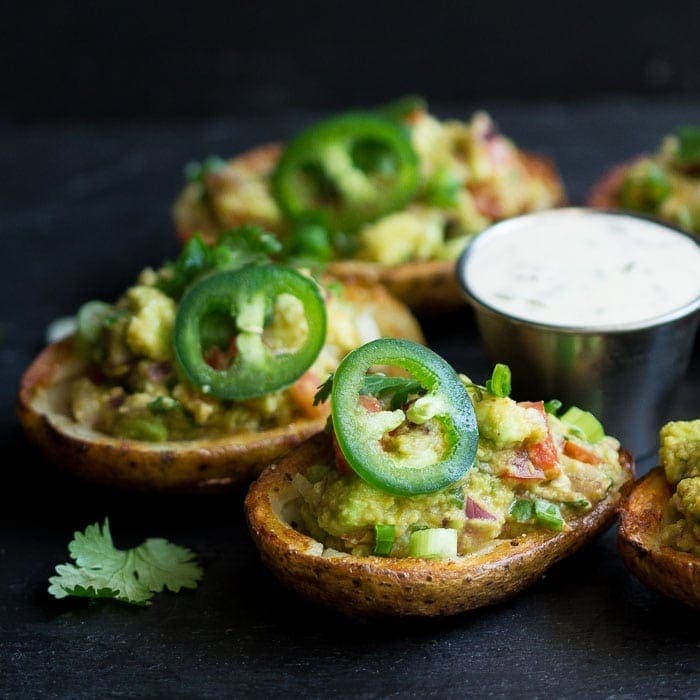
x=428, y=493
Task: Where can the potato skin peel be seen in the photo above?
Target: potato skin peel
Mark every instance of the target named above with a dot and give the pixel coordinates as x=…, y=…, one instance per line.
x=382, y=586
x=673, y=573
x=427, y=286
x=605, y=193
x=195, y=466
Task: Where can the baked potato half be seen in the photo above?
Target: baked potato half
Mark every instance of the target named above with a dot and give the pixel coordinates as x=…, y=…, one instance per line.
x=605, y=193
x=376, y=586
x=664, y=184
x=671, y=572
x=187, y=466
x=429, y=285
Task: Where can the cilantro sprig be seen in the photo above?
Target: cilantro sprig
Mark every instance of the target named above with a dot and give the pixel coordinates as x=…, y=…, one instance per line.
x=235, y=248
x=377, y=385
x=130, y=576
x=499, y=384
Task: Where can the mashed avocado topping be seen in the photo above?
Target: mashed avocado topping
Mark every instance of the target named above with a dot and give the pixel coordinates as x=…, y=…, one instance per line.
x=469, y=176
x=667, y=183
x=134, y=388
x=680, y=458
x=532, y=471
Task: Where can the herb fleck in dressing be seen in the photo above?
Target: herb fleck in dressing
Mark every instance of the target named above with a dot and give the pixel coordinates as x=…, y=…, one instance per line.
x=578, y=268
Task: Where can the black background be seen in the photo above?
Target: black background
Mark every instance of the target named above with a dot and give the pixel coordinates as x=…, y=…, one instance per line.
x=102, y=104
x=134, y=59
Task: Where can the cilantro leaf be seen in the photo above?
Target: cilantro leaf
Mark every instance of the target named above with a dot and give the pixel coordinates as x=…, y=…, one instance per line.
x=324, y=391
x=131, y=576
x=235, y=248
x=377, y=385
x=688, y=144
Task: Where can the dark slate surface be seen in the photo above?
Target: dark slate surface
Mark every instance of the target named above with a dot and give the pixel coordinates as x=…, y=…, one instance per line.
x=82, y=209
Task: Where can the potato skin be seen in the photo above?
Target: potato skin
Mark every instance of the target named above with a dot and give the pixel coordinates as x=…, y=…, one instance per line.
x=381, y=586
x=673, y=573
x=195, y=466
x=605, y=193
x=429, y=286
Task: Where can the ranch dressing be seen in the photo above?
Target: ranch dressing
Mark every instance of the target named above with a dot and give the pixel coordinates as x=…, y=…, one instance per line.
x=572, y=267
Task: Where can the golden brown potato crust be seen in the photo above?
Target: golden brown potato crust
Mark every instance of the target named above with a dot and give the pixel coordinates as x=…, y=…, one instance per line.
x=605, y=193
x=188, y=466
x=428, y=286
x=673, y=573
x=371, y=586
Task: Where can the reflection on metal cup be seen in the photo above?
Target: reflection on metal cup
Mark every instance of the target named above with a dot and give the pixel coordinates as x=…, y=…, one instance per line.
x=626, y=375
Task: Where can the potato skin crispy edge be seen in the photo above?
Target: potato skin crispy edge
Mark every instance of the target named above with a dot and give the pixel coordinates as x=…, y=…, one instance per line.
x=429, y=286
x=196, y=466
x=673, y=573
x=381, y=586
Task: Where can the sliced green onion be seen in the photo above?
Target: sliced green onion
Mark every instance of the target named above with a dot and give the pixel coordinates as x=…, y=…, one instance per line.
x=384, y=536
x=522, y=510
x=586, y=423
x=418, y=526
x=688, y=143
x=433, y=543
x=548, y=515
x=552, y=406
x=499, y=384
x=91, y=320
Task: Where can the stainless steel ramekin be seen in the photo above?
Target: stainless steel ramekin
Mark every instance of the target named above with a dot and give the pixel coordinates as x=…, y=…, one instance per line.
x=625, y=374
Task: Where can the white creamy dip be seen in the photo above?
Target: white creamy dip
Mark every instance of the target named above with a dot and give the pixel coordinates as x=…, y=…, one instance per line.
x=572, y=267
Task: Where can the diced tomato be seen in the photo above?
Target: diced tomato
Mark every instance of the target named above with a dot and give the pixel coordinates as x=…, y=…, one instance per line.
x=303, y=392
x=219, y=359
x=542, y=454
x=575, y=451
x=370, y=403
x=521, y=468
x=340, y=462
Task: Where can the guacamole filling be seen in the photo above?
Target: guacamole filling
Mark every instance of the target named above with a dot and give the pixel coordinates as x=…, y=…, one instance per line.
x=469, y=176
x=680, y=457
x=134, y=387
x=532, y=472
x=666, y=184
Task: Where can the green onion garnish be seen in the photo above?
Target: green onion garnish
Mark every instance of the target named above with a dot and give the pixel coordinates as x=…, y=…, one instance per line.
x=499, y=384
x=522, y=510
x=384, y=536
x=548, y=515
x=434, y=543
x=584, y=424
x=552, y=406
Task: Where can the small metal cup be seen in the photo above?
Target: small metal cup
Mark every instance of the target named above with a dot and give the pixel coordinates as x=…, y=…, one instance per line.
x=626, y=374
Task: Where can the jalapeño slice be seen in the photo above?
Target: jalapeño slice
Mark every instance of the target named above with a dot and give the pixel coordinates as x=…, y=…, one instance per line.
x=230, y=309
x=360, y=432
x=352, y=169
